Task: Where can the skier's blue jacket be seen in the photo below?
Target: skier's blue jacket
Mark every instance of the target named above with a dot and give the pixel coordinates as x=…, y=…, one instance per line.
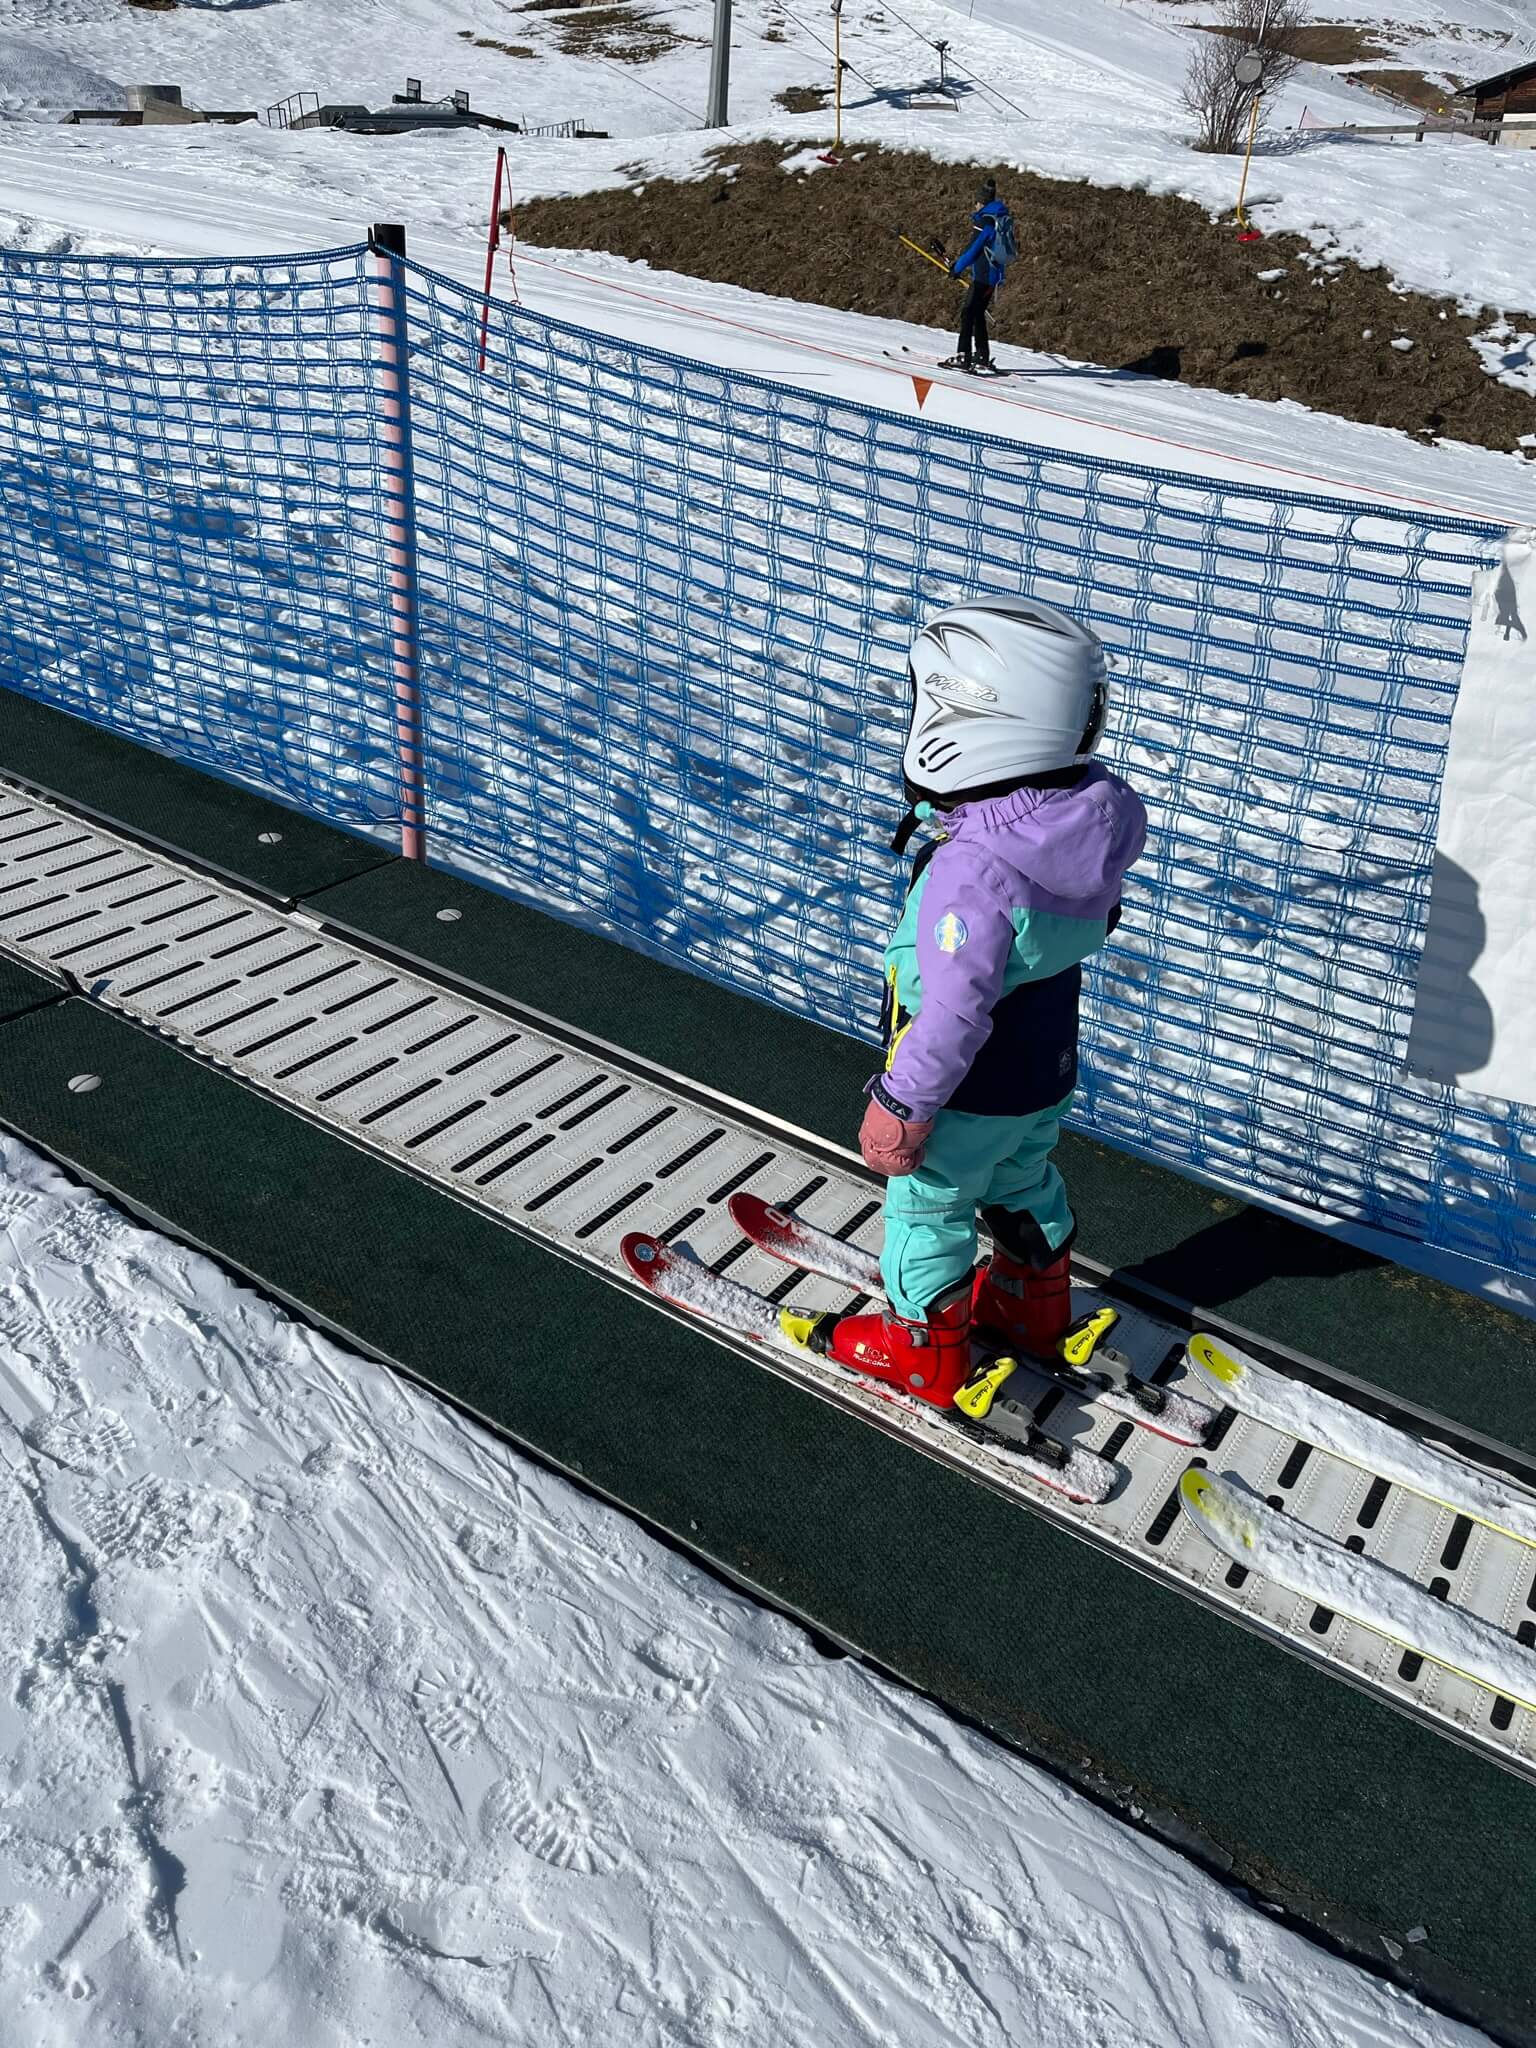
x=986, y=220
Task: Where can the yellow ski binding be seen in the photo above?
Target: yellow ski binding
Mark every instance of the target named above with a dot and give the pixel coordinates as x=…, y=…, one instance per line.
x=975, y=1398
x=807, y=1332
x=1086, y=1335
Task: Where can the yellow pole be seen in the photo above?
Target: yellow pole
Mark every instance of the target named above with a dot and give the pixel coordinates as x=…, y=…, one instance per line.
x=837, y=60
x=918, y=250
x=1253, y=124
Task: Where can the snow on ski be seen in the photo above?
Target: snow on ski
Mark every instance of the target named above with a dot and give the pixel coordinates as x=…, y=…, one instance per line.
x=1315, y=1567
x=798, y=1243
x=673, y=1272
x=1331, y=1425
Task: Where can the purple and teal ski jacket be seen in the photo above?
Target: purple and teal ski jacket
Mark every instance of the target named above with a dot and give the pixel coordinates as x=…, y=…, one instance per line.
x=983, y=972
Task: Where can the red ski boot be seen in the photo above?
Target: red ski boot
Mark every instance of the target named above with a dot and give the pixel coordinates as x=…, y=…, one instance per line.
x=1029, y=1307
x=931, y=1358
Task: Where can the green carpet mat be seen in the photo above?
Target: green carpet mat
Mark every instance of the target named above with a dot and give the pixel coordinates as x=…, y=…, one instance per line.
x=21, y=989
x=257, y=843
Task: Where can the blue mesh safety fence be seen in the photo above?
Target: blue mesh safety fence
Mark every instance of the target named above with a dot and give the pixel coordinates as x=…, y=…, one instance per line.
x=663, y=620
x=190, y=498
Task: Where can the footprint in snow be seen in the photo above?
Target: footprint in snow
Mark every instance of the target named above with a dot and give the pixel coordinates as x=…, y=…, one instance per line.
x=497, y=1554
x=152, y=1523
x=91, y=1321
x=686, y=1673
x=453, y=1703
x=79, y=1234
x=569, y=1828
x=89, y=1440
x=14, y=1203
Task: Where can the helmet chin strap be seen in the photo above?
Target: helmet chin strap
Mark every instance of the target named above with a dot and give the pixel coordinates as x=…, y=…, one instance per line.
x=906, y=828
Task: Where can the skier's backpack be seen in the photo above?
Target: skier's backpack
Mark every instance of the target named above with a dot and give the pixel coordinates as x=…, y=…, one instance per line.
x=1005, y=243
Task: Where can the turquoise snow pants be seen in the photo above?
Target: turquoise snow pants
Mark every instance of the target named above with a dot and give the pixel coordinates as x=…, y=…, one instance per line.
x=971, y=1163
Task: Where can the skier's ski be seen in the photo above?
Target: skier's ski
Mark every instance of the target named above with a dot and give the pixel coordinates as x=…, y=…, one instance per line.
x=953, y=363
x=1359, y=1439
x=1088, y=1367
x=1009, y=1433
x=1315, y=1567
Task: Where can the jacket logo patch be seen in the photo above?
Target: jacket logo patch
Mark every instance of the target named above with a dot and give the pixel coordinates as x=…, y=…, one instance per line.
x=950, y=933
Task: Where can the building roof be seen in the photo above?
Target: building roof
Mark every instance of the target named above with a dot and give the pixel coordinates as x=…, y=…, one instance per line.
x=1501, y=80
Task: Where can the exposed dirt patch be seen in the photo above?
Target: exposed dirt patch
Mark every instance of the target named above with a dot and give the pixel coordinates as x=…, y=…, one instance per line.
x=1316, y=42
x=802, y=99
x=1123, y=278
x=1413, y=88
x=622, y=34
x=490, y=43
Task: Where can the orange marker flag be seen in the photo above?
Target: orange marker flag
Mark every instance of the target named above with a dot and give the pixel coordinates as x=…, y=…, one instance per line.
x=922, y=386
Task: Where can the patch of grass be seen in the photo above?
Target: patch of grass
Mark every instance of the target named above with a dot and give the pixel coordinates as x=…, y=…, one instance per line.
x=1413, y=88
x=1105, y=275
x=490, y=43
x=1334, y=43
x=613, y=29
x=621, y=34
x=803, y=99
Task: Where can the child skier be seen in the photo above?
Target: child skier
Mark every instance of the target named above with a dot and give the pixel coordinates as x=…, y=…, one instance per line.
x=986, y=259
x=982, y=981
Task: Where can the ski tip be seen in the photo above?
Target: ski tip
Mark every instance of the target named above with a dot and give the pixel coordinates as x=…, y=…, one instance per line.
x=755, y=1218
x=1217, y=1511
x=1195, y=1490
x=642, y=1253
x=1217, y=1365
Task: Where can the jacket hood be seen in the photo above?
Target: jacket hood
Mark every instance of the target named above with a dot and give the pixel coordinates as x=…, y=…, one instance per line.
x=1070, y=845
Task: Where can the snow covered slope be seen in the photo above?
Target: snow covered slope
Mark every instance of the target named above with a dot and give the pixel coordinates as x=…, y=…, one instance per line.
x=264, y=194
x=1073, y=88
x=327, y=1718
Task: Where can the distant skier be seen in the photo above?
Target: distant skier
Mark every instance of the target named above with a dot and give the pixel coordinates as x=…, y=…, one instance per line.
x=987, y=257
x=982, y=982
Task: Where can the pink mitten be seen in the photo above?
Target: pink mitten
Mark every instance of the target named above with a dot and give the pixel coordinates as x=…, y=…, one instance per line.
x=890, y=1146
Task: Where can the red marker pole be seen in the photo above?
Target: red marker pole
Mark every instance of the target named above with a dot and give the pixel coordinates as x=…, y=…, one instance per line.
x=493, y=243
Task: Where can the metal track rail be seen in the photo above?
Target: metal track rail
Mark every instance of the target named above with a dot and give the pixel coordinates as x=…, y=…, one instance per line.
x=573, y=1146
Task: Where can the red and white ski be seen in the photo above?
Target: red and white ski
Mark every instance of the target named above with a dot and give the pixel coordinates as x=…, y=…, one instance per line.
x=1099, y=1374
x=1009, y=1434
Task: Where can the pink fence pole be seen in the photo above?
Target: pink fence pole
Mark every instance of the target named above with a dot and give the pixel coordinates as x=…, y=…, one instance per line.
x=386, y=251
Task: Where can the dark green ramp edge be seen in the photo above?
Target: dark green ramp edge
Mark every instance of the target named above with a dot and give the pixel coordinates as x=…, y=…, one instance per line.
x=1420, y=1340
x=22, y=990
x=1315, y=1795
x=214, y=825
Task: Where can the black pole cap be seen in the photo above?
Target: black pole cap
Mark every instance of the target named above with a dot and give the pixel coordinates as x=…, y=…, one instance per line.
x=388, y=236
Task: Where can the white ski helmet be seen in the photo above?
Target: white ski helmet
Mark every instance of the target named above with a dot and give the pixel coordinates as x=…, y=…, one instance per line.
x=1002, y=688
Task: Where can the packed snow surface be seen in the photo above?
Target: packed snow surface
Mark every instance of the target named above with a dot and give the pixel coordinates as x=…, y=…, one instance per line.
x=328, y=1718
